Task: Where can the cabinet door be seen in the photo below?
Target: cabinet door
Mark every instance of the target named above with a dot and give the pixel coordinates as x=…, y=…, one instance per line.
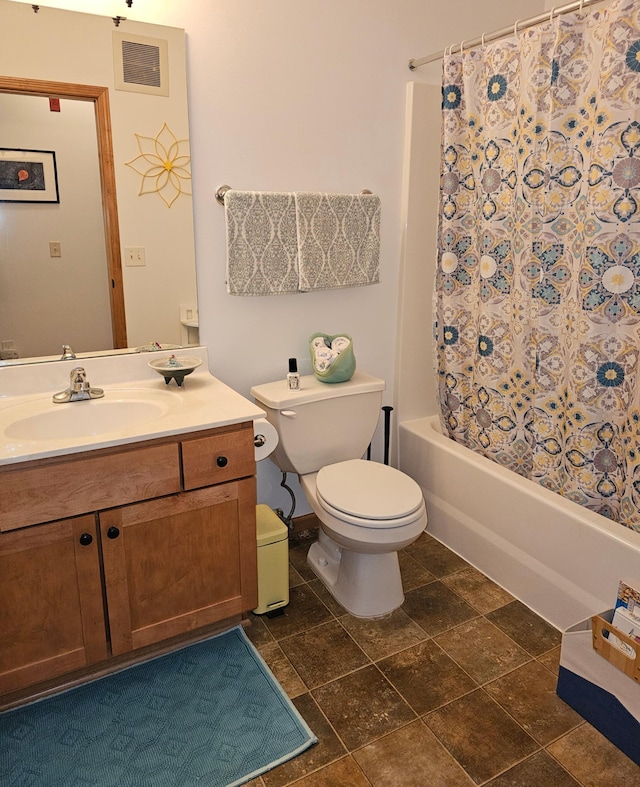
x=51, y=608
x=178, y=563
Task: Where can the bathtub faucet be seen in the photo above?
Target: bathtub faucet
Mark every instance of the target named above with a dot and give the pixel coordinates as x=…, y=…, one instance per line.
x=79, y=388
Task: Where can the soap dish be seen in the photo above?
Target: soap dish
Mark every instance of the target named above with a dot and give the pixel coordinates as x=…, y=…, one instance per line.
x=175, y=368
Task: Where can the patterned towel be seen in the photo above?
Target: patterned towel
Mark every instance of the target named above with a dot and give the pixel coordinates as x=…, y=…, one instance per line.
x=338, y=240
x=262, y=246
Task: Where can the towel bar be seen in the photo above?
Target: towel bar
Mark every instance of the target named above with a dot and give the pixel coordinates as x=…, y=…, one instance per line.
x=222, y=190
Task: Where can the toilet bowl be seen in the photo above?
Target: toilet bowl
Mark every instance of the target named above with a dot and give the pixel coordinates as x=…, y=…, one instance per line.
x=367, y=510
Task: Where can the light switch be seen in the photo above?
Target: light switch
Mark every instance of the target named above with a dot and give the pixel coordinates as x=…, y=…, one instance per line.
x=55, y=248
x=134, y=256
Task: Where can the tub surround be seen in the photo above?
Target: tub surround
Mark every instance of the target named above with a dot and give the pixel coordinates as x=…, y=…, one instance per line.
x=118, y=546
x=559, y=558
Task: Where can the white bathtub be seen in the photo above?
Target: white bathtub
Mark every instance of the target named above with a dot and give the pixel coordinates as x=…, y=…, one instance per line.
x=560, y=559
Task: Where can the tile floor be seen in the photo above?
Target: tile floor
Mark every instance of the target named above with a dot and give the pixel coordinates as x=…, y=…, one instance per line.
x=455, y=688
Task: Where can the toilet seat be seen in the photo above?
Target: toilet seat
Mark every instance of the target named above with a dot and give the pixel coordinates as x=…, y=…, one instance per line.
x=369, y=494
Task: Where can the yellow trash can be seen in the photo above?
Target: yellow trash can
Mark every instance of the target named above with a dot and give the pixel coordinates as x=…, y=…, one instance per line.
x=273, y=562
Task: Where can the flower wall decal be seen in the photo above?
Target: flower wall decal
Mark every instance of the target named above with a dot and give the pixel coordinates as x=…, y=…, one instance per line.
x=164, y=164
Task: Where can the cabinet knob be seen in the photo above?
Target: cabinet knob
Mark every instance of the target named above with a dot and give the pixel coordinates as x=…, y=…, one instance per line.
x=222, y=461
x=85, y=539
x=113, y=532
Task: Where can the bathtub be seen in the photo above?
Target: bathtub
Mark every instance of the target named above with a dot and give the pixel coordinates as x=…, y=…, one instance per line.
x=560, y=559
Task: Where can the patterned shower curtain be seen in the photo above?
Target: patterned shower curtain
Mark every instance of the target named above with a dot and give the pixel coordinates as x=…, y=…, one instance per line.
x=537, y=302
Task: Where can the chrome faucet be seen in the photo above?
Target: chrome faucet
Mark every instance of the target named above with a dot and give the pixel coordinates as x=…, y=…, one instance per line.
x=79, y=388
x=67, y=353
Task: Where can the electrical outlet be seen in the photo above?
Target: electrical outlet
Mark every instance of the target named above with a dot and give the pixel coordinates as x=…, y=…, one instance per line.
x=55, y=248
x=134, y=256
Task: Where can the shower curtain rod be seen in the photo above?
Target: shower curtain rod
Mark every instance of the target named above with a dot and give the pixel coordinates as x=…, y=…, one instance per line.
x=521, y=24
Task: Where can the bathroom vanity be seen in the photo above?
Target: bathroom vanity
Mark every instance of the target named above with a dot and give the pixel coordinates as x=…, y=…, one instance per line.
x=117, y=545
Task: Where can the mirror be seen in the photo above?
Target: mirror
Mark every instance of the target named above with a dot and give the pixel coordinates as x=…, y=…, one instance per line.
x=101, y=216
x=97, y=303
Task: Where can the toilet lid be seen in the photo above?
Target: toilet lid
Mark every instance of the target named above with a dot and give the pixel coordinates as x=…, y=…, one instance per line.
x=361, y=490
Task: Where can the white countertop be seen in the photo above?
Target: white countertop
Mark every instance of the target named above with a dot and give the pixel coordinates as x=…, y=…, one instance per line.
x=202, y=402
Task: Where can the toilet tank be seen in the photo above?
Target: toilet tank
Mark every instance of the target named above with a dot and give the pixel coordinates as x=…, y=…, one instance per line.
x=322, y=423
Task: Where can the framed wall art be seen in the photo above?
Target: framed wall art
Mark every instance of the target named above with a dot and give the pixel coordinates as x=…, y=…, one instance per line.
x=28, y=176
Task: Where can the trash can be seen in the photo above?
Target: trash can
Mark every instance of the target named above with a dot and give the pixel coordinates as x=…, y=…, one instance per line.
x=273, y=562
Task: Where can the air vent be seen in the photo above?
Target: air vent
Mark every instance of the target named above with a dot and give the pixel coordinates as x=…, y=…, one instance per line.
x=141, y=64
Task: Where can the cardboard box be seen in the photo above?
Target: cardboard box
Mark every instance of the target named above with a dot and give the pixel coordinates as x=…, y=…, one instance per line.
x=602, y=685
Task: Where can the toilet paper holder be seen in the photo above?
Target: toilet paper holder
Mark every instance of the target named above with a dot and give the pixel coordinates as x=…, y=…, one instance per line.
x=265, y=438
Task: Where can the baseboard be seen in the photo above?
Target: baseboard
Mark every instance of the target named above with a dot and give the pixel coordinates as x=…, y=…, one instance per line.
x=305, y=522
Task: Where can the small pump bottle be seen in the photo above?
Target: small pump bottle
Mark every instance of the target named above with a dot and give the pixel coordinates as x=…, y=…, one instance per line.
x=293, y=378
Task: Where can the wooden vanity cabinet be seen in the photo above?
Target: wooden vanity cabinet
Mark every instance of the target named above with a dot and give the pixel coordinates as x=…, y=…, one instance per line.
x=86, y=589
x=51, y=608
x=176, y=564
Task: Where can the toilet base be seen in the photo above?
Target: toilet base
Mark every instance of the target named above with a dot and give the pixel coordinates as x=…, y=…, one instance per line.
x=366, y=585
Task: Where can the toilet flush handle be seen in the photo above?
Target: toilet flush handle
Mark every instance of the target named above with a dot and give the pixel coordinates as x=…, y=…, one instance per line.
x=288, y=413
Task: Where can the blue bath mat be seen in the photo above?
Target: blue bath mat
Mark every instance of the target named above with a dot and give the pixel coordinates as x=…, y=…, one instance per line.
x=209, y=714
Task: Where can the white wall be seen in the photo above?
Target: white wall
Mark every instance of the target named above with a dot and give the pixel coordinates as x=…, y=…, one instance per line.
x=289, y=95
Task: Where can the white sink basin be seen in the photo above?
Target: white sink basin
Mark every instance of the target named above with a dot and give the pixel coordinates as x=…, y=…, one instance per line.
x=137, y=406
x=118, y=411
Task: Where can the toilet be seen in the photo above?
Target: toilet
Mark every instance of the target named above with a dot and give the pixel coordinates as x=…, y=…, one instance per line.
x=367, y=510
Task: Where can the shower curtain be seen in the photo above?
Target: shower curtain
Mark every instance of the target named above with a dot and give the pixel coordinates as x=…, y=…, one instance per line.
x=537, y=297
